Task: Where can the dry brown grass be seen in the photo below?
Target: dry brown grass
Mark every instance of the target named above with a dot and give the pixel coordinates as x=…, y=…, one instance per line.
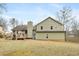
x=73, y=39
x=37, y=48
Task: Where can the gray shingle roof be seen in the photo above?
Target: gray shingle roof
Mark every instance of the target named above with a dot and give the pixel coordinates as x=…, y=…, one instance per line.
x=20, y=27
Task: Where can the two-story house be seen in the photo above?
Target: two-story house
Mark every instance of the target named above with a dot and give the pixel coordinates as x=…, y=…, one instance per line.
x=50, y=29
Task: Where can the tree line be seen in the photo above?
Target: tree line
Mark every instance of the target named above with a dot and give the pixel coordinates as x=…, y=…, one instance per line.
x=71, y=25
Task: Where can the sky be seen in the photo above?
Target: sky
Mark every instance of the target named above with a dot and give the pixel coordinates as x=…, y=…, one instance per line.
x=36, y=12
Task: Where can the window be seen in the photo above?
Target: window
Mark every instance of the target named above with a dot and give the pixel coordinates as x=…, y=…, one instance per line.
x=46, y=35
x=26, y=32
x=51, y=27
x=41, y=27
x=23, y=34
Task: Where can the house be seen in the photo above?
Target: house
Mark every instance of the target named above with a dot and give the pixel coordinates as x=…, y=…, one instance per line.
x=46, y=29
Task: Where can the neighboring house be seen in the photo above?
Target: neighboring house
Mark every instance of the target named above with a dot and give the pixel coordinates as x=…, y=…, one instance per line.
x=47, y=29
x=73, y=33
x=70, y=34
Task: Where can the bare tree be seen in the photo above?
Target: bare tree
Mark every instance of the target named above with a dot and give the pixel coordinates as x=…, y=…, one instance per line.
x=2, y=8
x=13, y=22
x=65, y=16
x=74, y=27
x=3, y=21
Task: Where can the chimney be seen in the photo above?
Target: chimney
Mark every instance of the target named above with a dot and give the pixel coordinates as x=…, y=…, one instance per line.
x=29, y=29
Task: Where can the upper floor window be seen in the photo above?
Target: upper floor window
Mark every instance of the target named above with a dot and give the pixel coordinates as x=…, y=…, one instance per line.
x=41, y=27
x=51, y=27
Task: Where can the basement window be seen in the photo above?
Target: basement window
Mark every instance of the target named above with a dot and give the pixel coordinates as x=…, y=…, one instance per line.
x=46, y=35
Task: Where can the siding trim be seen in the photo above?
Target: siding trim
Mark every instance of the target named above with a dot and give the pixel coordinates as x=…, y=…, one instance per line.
x=50, y=31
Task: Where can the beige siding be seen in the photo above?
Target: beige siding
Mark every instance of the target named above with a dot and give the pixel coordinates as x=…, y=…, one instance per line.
x=47, y=26
x=52, y=36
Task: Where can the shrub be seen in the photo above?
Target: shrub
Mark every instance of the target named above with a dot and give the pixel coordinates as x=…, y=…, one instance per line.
x=1, y=35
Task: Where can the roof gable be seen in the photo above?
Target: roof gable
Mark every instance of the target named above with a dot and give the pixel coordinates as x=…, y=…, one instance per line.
x=51, y=19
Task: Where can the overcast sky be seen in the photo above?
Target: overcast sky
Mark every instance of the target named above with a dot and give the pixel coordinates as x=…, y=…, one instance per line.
x=36, y=12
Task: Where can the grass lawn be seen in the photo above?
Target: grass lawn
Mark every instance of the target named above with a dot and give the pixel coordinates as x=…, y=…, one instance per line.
x=37, y=48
